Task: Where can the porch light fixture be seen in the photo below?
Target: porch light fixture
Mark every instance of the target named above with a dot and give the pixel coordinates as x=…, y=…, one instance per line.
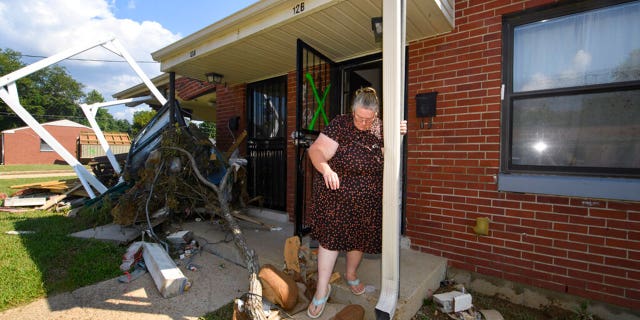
x=376, y=26
x=213, y=77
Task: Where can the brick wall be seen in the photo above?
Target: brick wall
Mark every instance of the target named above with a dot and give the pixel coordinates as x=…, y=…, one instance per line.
x=230, y=102
x=585, y=247
x=23, y=146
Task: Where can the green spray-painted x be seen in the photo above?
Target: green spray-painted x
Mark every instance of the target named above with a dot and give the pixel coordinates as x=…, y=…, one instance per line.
x=319, y=101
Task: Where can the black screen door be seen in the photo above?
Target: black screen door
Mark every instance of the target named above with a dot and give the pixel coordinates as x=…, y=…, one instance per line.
x=316, y=94
x=266, y=143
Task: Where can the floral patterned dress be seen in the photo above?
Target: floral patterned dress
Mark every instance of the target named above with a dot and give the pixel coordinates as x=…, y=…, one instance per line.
x=350, y=218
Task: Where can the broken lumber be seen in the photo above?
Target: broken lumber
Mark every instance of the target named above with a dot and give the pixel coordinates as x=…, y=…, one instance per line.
x=24, y=202
x=44, y=185
x=235, y=145
x=53, y=200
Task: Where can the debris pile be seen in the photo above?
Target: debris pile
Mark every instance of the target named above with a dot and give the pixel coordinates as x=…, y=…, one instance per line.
x=456, y=302
x=169, y=178
x=289, y=290
x=55, y=195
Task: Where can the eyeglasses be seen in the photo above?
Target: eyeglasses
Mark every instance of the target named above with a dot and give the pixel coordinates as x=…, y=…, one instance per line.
x=363, y=120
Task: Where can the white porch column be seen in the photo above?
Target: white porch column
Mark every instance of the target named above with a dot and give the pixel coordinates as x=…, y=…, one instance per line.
x=393, y=50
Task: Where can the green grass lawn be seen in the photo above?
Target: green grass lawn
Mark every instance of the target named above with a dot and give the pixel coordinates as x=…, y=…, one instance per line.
x=34, y=167
x=48, y=261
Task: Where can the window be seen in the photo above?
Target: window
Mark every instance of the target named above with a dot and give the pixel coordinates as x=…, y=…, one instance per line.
x=44, y=146
x=571, y=101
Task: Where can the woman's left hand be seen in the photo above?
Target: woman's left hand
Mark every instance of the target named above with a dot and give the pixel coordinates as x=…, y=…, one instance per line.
x=403, y=127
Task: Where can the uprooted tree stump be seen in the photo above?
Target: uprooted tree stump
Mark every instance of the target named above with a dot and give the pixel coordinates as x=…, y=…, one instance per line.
x=172, y=177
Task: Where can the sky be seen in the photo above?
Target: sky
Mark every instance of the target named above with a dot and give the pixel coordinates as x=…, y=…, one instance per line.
x=42, y=28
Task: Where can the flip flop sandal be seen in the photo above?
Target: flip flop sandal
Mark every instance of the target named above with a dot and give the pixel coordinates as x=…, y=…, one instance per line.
x=319, y=302
x=353, y=284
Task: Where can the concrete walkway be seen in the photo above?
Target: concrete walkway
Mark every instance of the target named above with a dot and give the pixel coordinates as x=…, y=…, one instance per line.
x=420, y=273
x=222, y=278
x=215, y=284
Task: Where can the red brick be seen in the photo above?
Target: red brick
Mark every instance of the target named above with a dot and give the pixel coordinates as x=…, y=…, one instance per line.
x=568, y=227
x=610, y=214
x=622, y=244
x=585, y=275
x=552, y=217
x=605, y=289
x=551, y=251
x=583, y=256
x=607, y=251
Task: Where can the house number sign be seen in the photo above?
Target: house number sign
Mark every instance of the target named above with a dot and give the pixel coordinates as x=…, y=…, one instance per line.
x=298, y=8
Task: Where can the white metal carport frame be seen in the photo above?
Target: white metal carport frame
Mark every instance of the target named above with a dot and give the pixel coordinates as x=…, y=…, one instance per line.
x=9, y=93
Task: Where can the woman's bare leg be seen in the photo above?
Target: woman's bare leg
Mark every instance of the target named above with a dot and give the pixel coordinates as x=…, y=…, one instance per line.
x=326, y=262
x=354, y=258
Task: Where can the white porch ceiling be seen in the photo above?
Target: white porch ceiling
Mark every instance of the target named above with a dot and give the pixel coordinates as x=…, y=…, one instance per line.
x=259, y=42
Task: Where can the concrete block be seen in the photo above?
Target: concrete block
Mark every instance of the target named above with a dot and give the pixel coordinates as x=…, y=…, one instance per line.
x=444, y=301
x=180, y=237
x=110, y=232
x=462, y=302
x=167, y=276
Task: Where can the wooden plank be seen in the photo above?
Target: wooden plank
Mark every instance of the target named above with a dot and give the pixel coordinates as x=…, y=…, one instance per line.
x=40, y=184
x=291, y=250
x=24, y=202
x=235, y=145
x=53, y=200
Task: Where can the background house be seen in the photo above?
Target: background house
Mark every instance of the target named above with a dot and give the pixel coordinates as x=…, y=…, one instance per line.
x=24, y=146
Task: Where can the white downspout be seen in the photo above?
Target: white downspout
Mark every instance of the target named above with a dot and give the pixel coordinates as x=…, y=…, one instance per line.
x=393, y=49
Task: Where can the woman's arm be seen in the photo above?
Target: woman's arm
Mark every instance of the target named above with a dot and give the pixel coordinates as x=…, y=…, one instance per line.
x=320, y=152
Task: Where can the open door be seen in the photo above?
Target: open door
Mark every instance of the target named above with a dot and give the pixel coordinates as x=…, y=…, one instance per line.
x=317, y=93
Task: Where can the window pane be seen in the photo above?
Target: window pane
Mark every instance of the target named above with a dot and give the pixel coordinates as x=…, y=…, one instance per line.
x=589, y=130
x=595, y=47
x=44, y=146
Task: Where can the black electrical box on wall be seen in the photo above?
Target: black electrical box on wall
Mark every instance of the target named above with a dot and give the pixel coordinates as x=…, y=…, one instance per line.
x=234, y=123
x=426, y=104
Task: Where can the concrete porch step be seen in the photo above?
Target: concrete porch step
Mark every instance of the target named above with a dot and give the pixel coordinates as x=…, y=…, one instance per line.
x=420, y=273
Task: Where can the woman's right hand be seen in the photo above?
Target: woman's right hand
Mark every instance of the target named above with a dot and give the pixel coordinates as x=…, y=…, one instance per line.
x=331, y=180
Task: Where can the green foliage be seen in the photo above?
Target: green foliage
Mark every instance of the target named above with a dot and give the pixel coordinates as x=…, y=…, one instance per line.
x=140, y=120
x=93, y=96
x=209, y=128
x=108, y=123
x=96, y=214
x=582, y=312
x=105, y=120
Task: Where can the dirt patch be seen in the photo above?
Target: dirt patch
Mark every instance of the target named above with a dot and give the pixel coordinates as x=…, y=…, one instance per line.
x=508, y=309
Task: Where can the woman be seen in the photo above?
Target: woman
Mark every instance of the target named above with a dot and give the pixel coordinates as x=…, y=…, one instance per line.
x=346, y=213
